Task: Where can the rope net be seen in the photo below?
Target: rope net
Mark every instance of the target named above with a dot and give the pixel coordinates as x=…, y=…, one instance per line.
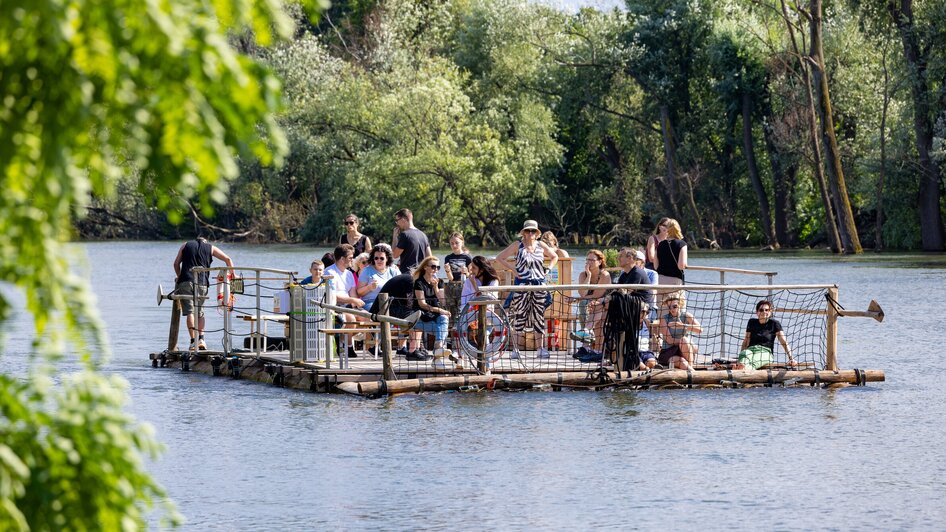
x=522, y=331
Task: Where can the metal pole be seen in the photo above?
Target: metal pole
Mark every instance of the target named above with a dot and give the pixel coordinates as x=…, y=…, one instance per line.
x=383, y=318
x=481, y=338
x=258, y=344
x=722, y=317
x=329, y=319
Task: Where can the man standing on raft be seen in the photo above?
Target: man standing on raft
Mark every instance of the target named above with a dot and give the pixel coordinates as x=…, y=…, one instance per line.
x=196, y=253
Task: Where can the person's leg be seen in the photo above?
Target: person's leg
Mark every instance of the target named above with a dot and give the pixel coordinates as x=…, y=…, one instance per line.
x=687, y=350
x=191, y=327
x=596, y=316
x=440, y=330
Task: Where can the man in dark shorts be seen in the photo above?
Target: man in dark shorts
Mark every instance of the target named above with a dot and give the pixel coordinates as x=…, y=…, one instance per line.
x=410, y=243
x=195, y=253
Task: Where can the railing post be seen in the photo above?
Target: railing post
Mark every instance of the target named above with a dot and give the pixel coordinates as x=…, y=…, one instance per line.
x=386, y=355
x=831, y=355
x=722, y=316
x=481, y=338
x=258, y=344
x=329, y=321
x=226, y=329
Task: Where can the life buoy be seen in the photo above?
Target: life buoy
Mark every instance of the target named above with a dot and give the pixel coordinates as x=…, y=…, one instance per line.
x=467, y=328
x=225, y=298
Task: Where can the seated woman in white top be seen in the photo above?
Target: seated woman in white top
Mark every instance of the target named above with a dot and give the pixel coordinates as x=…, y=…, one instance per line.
x=482, y=273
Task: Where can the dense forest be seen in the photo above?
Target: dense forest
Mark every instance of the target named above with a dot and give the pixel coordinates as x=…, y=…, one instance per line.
x=762, y=123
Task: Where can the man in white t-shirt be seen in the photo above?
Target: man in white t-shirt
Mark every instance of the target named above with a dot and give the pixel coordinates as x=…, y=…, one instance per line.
x=343, y=284
x=343, y=280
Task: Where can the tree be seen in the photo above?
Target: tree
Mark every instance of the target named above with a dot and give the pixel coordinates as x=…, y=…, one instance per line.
x=92, y=91
x=847, y=227
x=742, y=87
x=919, y=45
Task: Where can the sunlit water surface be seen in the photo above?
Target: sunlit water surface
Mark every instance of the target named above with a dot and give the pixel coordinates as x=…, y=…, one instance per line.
x=244, y=455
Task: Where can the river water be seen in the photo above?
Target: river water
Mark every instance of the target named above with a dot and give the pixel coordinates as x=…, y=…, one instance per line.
x=244, y=455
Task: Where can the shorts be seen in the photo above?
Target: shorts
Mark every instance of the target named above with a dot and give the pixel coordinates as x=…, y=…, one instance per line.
x=755, y=356
x=187, y=305
x=667, y=354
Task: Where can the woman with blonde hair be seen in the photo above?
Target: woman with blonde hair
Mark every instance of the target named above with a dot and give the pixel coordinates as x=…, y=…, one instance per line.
x=658, y=236
x=671, y=257
x=428, y=299
x=676, y=326
x=551, y=241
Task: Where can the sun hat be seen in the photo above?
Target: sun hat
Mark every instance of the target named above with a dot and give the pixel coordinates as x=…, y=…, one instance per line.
x=529, y=225
x=638, y=255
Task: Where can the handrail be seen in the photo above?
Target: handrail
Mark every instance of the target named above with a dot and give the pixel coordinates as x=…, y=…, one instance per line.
x=730, y=270
x=708, y=288
x=198, y=269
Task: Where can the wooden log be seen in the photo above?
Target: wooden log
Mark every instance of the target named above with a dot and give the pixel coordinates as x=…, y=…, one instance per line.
x=175, y=328
x=680, y=378
x=387, y=358
x=831, y=350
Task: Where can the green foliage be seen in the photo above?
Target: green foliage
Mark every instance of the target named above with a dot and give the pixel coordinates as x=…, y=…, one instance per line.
x=70, y=457
x=610, y=257
x=477, y=113
x=92, y=92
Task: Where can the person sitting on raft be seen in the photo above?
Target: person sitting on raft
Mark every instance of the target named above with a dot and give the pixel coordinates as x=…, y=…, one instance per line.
x=380, y=270
x=427, y=299
x=482, y=273
x=316, y=269
x=759, y=343
x=676, y=325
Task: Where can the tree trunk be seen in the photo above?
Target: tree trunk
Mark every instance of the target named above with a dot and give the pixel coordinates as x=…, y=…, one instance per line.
x=882, y=175
x=765, y=216
x=931, y=219
x=848, y=230
x=783, y=180
x=670, y=155
x=831, y=228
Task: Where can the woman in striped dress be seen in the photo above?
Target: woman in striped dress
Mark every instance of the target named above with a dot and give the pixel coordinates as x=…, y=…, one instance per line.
x=527, y=259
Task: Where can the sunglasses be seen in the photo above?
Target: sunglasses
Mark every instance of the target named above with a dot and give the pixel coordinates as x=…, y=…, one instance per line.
x=382, y=257
x=674, y=307
x=350, y=222
x=434, y=267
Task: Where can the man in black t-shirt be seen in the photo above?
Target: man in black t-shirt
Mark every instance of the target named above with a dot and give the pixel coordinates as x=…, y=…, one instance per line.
x=410, y=243
x=197, y=253
x=632, y=274
x=400, y=291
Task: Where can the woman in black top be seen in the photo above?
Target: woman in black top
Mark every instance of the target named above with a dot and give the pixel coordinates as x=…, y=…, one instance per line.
x=759, y=343
x=428, y=299
x=352, y=237
x=671, y=257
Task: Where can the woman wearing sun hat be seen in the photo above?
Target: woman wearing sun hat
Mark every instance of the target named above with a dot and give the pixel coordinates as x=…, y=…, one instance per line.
x=527, y=259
